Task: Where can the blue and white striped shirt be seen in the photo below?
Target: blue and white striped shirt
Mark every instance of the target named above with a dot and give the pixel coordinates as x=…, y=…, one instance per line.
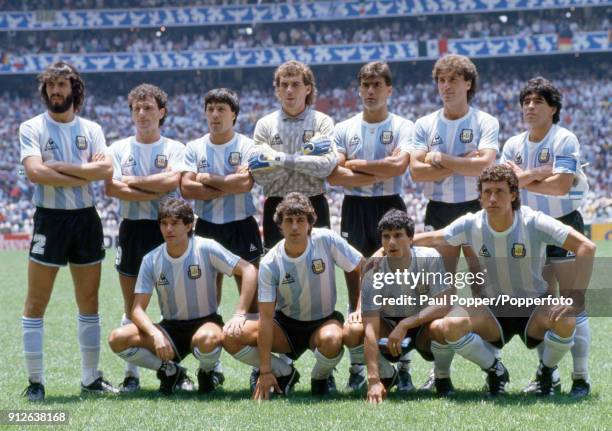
x=304, y=287
x=186, y=286
x=74, y=142
x=559, y=149
x=512, y=260
x=201, y=156
x=477, y=130
x=132, y=158
x=357, y=139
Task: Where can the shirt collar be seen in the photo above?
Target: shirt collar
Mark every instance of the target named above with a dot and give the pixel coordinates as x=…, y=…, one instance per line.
x=300, y=117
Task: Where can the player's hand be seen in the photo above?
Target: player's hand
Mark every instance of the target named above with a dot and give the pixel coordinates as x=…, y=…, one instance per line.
x=53, y=164
x=202, y=177
x=434, y=158
x=395, y=339
x=98, y=157
x=317, y=146
x=265, y=384
x=471, y=154
x=234, y=326
x=376, y=393
x=242, y=169
x=557, y=312
x=515, y=168
x=163, y=348
x=354, y=318
x=543, y=172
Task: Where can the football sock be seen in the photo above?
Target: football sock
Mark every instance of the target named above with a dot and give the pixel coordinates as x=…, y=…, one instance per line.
x=404, y=361
x=555, y=347
x=250, y=355
x=582, y=344
x=385, y=369
x=356, y=355
x=324, y=365
x=208, y=360
x=443, y=357
x=473, y=348
x=33, y=331
x=140, y=357
x=131, y=369
x=88, y=327
x=540, y=350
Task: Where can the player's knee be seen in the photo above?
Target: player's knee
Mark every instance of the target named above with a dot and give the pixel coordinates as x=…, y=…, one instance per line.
x=208, y=341
x=330, y=341
x=435, y=330
x=565, y=326
x=352, y=335
x=455, y=327
x=117, y=341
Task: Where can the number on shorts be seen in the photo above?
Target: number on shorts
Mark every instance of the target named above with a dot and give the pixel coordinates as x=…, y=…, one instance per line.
x=38, y=244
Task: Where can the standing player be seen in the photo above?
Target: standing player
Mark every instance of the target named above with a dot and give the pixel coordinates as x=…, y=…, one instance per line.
x=217, y=177
x=398, y=322
x=297, y=298
x=512, y=241
x=546, y=160
x=373, y=157
x=183, y=271
x=288, y=161
x=451, y=147
x=63, y=154
x=145, y=169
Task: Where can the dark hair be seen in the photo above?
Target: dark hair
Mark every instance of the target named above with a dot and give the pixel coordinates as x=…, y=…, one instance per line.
x=175, y=208
x=395, y=219
x=458, y=65
x=499, y=173
x=61, y=69
x=374, y=69
x=295, y=204
x=295, y=68
x=143, y=91
x=545, y=89
x=223, y=95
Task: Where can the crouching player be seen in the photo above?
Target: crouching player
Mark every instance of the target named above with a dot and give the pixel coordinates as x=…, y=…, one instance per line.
x=297, y=299
x=183, y=271
x=512, y=244
x=405, y=327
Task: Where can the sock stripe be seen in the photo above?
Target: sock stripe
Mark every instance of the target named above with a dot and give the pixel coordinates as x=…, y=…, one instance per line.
x=461, y=342
x=33, y=323
x=128, y=353
x=582, y=319
x=554, y=337
x=89, y=318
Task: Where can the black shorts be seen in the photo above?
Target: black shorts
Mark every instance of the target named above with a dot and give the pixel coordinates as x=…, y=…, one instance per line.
x=298, y=332
x=136, y=238
x=272, y=233
x=67, y=236
x=360, y=217
x=573, y=219
x=513, y=321
x=241, y=237
x=180, y=332
x=416, y=339
x=438, y=215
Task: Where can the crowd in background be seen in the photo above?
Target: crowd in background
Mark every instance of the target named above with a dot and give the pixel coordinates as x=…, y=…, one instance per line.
x=306, y=34
x=586, y=111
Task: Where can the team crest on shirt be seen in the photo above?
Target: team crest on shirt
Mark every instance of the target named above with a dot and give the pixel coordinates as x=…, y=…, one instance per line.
x=307, y=136
x=51, y=145
x=162, y=281
x=437, y=140
x=484, y=252
x=194, y=271
x=276, y=140
x=318, y=266
x=518, y=159
x=161, y=161
x=81, y=142
x=518, y=250
x=354, y=142
x=129, y=162
x=466, y=136
x=386, y=137
x=288, y=279
x=544, y=155
x=234, y=158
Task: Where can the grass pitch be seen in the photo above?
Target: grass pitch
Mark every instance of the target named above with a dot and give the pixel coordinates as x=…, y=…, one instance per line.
x=231, y=408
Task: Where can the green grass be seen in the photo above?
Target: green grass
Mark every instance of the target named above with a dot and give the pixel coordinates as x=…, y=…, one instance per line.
x=231, y=408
